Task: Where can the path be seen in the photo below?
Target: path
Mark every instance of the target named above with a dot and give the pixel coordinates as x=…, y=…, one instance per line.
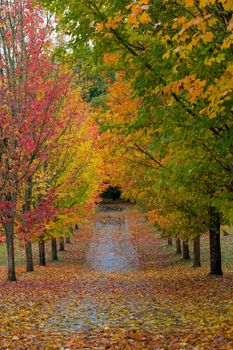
x=113, y=293
x=129, y=294
x=111, y=249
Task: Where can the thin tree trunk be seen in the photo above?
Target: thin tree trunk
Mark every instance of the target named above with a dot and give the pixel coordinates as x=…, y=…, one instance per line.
x=68, y=239
x=9, y=230
x=214, y=239
x=186, y=255
x=42, y=259
x=62, y=244
x=54, y=248
x=26, y=209
x=178, y=246
x=169, y=241
x=196, y=251
x=29, y=257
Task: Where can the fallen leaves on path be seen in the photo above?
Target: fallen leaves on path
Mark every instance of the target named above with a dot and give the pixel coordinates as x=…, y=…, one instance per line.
x=161, y=305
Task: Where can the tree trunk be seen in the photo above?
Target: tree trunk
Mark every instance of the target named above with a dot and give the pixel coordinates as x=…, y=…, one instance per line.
x=62, y=244
x=214, y=239
x=68, y=239
x=169, y=241
x=178, y=246
x=42, y=259
x=9, y=230
x=26, y=208
x=186, y=255
x=29, y=257
x=54, y=248
x=196, y=252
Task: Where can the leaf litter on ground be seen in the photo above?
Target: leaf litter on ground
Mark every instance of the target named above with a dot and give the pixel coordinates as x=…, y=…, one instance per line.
x=156, y=304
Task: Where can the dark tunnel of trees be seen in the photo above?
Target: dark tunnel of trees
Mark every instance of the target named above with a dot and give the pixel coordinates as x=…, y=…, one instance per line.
x=111, y=193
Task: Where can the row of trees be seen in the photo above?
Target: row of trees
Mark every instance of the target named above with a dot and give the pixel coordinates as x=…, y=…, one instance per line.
x=166, y=117
x=47, y=144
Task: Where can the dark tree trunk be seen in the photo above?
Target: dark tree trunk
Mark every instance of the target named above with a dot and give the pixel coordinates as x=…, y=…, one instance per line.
x=196, y=251
x=9, y=230
x=29, y=257
x=214, y=238
x=178, y=246
x=169, y=241
x=186, y=255
x=54, y=248
x=26, y=209
x=42, y=259
x=62, y=244
x=68, y=239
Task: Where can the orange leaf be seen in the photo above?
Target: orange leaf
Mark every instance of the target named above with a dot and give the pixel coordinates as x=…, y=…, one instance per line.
x=144, y=18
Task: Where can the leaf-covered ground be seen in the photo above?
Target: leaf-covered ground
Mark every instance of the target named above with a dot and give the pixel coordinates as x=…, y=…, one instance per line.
x=141, y=297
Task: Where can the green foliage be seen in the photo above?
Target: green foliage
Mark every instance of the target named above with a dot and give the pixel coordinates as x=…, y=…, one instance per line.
x=177, y=148
x=111, y=193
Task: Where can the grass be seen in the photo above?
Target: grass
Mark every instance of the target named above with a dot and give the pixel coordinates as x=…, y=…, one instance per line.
x=226, y=248
x=20, y=254
x=3, y=256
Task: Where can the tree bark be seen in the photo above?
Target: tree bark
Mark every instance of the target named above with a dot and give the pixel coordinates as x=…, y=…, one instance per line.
x=54, y=248
x=26, y=209
x=196, y=252
x=178, y=246
x=62, y=244
x=186, y=255
x=29, y=257
x=214, y=239
x=9, y=230
x=68, y=239
x=169, y=241
x=42, y=259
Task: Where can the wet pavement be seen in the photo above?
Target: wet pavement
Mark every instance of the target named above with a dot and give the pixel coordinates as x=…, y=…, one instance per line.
x=111, y=249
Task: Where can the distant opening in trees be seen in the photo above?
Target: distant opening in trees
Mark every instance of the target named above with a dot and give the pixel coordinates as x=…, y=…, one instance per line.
x=111, y=193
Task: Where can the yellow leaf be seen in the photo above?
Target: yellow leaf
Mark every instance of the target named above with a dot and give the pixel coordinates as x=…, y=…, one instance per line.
x=132, y=19
x=208, y=37
x=228, y=5
x=230, y=68
x=166, y=55
x=220, y=58
x=189, y=3
x=165, y=38
x=182, y=19
x=144, y=18
x=202, y=3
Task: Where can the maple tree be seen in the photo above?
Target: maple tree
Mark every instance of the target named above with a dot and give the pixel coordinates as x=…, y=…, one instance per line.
x=137, y=97
x=72, y=170
x=30, y=97
x=33, y=91
x=182, y=73
x=65, y=182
